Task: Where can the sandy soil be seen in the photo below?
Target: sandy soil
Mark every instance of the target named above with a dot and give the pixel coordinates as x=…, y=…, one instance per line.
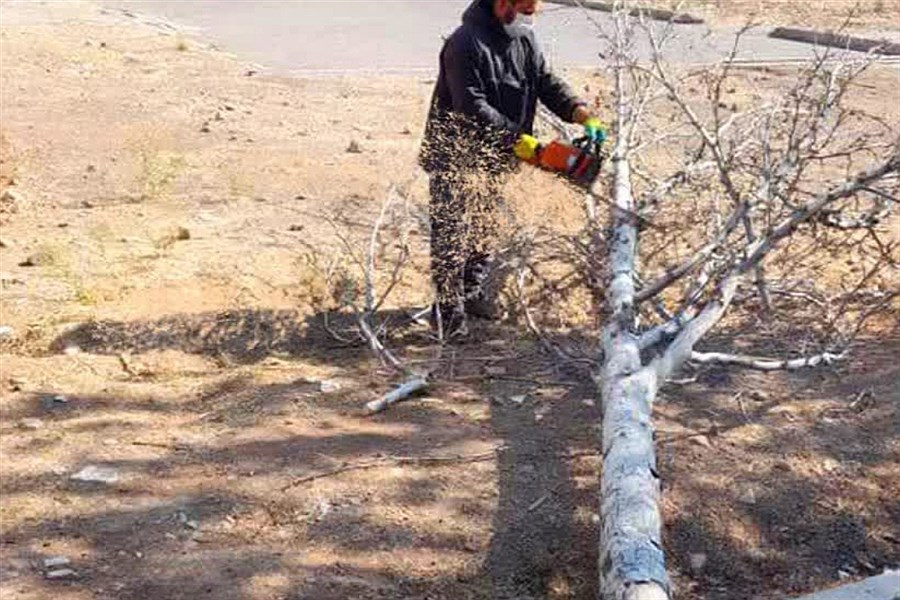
x=854, y=15
x=159, y=272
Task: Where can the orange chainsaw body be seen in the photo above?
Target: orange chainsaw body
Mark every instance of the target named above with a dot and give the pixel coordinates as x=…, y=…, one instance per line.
x=578, y=162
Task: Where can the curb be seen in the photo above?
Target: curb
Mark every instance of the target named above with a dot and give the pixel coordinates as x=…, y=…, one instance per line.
x=835, y=40
x=653, y=13
x=881, y=587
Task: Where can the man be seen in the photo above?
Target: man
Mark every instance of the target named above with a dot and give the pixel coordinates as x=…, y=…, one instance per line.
x=492, y=74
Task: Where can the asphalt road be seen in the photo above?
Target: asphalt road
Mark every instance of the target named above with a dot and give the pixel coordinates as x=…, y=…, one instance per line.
x=305, y=37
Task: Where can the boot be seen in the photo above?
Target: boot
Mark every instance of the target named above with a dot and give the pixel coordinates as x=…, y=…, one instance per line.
x=481, y=290
x=448, y=321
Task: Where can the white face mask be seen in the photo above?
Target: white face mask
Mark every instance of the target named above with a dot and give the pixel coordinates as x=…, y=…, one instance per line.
x=523, y=20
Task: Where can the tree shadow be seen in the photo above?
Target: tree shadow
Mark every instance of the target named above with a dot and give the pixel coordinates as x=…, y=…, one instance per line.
x=540, y=547
x=241, y=335
x=765, y=512
x=794, y=486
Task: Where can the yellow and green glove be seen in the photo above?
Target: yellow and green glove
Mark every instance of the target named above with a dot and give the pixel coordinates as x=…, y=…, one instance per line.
x=594, y=130
x=526, y=147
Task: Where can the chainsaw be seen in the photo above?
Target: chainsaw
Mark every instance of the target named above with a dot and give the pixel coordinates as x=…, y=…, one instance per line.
x=578, y=161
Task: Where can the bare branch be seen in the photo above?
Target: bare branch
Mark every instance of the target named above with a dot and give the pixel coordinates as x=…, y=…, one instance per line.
x=805, y=213
x=766, y=364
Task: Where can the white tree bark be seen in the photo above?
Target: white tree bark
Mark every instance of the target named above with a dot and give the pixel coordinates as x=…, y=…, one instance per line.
x=631, y=561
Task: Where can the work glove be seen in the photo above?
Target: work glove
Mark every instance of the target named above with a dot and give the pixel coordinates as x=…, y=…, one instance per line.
x=595, y=130
x=526, y=147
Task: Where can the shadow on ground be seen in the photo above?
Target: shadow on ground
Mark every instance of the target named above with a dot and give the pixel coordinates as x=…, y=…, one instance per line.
x=771, y=502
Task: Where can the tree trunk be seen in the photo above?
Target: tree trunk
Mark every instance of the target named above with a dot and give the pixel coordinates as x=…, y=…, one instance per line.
x=632, y=565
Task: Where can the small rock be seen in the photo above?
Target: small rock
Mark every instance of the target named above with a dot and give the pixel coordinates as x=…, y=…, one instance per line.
x=59, y=399
x=328, y=386
x=28, y=262
x=90, y=168
x=218, y=117
x=354, y=147
x=192, y=525
x=250, y=73
x=495, y=370
x=62, y=225
x=4, y=243
x=760, y=396
x=62, y=574
x=87, y=204
x=228, y=107
x=698, y=561
x=56, y=561
x=96, y=474
x=170, y=536
x=138, y=554
x=589, y=403
x=748, y=497
x=595, y=518
x=517, y=400
x=406, y=131
x=182, y=234
x=12, y=197
x=296, y=228
x=31, y=424
x=6, y=332
x=7, y=280
x=205, y=127
x=701, y=440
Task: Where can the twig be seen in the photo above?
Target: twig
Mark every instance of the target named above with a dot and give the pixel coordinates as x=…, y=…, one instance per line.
x=536, y=382
x=767, y=364
x=178, y=447
x=405, y=390
x=540, y=501
x=739, y=398
x=423, y=461
x=397, y=460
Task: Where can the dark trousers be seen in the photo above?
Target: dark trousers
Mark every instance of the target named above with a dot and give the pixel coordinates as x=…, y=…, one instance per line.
x=463, y=213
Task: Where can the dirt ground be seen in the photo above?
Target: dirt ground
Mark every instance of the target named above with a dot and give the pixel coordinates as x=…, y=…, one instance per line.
x=854, y=15
x=159, y=274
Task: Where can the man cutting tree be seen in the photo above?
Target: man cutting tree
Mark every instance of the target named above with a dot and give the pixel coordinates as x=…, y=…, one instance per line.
x=492, y=74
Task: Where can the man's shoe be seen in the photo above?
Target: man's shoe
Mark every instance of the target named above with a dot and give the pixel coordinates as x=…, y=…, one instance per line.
x=448, y=322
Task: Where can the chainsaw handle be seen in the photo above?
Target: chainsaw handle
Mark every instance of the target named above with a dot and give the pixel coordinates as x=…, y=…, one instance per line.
x=587, y=145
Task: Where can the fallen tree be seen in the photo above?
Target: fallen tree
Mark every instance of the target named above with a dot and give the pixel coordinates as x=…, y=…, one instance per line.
x=792, y=177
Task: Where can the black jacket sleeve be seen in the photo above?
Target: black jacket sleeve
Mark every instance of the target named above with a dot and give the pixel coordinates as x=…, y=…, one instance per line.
x=467, y=89
x=553, y=92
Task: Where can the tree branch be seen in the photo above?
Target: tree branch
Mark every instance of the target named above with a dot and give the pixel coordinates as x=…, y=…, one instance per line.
x=766, y=364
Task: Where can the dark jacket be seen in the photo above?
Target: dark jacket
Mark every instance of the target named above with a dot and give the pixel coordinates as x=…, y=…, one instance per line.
x=491, y=77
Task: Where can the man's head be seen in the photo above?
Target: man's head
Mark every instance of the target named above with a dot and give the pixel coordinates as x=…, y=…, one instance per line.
x=507, y=10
